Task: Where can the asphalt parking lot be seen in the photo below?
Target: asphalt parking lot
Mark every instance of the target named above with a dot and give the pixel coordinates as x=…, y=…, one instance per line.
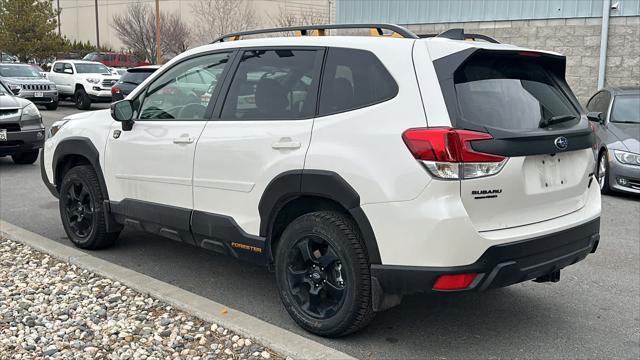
x=593, y=312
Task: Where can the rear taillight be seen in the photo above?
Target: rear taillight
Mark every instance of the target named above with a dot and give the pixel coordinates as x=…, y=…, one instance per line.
x=447, y=153
x=115, y=90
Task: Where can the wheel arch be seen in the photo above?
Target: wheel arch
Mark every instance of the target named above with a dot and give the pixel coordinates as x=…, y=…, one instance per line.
x=76, y=151
x=297, y=192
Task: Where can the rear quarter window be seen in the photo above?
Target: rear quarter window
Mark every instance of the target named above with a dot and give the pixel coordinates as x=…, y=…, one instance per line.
x=354, y=79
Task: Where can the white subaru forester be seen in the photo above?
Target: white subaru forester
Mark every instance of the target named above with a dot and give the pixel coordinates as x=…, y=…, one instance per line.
x=359, y=168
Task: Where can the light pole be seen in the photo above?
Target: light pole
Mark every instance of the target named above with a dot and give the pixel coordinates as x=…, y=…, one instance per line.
x=158, y=58
x=97, y=27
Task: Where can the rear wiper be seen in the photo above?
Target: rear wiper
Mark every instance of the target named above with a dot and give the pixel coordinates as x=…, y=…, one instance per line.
x=555, y=120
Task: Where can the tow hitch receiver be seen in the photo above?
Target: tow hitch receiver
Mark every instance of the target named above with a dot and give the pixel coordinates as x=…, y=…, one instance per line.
x=550, y=277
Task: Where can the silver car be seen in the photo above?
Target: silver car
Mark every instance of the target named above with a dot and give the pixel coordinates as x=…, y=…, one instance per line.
x=615, y=113
x=26, y=82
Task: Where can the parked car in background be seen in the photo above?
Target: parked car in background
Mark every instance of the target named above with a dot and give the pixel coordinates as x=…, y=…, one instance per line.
x=21, y=128
x=85, y=82
x=26, y=82
x=115, y=59
x=130, y=80
x=616, y=114
x=8, y=58
x=118, y=71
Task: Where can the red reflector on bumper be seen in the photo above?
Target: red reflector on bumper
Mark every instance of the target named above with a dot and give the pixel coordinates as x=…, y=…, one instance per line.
x=454, y=282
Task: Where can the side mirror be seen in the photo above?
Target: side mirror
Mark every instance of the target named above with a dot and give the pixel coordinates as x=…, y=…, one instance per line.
x=123, y=111
x=68, y=71
x=595, y=116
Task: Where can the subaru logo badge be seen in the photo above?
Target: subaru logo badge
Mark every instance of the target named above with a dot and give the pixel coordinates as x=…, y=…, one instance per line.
x=561, y=142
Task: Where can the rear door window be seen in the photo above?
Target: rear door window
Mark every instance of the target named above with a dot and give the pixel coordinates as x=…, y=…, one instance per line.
x=354, y=79
x=511, y=92
x=274, y=85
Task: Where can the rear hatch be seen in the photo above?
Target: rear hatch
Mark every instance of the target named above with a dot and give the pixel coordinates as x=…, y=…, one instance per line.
x=521, y=99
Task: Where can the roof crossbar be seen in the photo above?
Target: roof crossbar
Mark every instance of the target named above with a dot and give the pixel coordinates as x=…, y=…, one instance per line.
x=319, y=30
x=459, y=34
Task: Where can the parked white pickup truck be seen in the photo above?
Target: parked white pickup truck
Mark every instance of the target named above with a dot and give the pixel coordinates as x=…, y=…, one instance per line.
x=85, y=82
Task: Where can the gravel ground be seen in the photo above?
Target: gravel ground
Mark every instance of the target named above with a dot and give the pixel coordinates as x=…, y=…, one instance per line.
x=51, y=309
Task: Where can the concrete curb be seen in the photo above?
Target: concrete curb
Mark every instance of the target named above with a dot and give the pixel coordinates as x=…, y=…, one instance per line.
x=271, y=336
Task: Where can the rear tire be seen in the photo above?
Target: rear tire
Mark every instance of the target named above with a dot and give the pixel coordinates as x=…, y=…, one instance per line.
x=603, y=173
x=82, y=100
x=80, y=204
x=323, y=274
x=52, y=106
x=25, y=158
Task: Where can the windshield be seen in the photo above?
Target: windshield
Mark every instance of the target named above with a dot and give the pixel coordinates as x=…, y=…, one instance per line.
x=19, y=71
x=92, y=69
x=3, y=89
x=626, y=109
x=511, y=92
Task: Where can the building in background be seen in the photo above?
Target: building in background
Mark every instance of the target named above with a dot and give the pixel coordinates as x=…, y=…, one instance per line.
x=77, y=18
x=570, y=27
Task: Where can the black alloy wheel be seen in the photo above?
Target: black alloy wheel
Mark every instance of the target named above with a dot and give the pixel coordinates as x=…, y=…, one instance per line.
x=79, y=208
x=315, y=277
x=323, y=274
x=80, y=204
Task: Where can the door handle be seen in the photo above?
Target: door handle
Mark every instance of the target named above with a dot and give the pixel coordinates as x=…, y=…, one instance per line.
x=286, y=143
x=183, y=140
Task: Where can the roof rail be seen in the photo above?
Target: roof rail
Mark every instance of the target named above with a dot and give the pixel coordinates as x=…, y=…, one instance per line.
x=459, y=34
x=319, y=30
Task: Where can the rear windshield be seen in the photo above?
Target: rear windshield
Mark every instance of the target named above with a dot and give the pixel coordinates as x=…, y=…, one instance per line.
x=511, y=92
x=135, y=77
x=626, y=109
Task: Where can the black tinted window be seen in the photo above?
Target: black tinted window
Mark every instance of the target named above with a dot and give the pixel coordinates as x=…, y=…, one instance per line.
x=511, y=92
x=599, y=103
x=354, y=79
x=626, y=108
x=135, y=77
x=273, y=85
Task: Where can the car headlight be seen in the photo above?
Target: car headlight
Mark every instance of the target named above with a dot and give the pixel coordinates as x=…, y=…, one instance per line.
x=52, y=87
x=93, y=80
x=29, y=112
x=15, y=87
x=628, y=158
x=56, y=127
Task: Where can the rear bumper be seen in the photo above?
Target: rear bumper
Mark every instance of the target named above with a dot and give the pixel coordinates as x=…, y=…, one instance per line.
x=500, y=265
x=22, y=141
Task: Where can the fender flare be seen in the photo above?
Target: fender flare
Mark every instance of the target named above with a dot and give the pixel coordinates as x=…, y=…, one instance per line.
x=82, y=146
x=322, y=183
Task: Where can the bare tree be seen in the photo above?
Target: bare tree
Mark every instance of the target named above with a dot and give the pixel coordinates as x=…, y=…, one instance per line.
x=309, y=16
x=218, y=17
x=136, y=28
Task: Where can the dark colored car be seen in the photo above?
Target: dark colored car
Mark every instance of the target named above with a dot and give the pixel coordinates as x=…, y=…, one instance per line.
x=616, y=115
x=130, y=80
x=21, y=130
x=26, y=81
x=115, y=59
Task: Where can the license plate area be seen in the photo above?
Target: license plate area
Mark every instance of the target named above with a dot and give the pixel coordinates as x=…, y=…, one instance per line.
x=39, y=94
x=3, y=134
x=544, y=173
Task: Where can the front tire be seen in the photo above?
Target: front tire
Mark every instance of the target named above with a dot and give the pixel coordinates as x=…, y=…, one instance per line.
x=323, y=274
x=603, y=173
x=82, y=100
x=52, y=106
x=80, y=205
x=25, y=158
